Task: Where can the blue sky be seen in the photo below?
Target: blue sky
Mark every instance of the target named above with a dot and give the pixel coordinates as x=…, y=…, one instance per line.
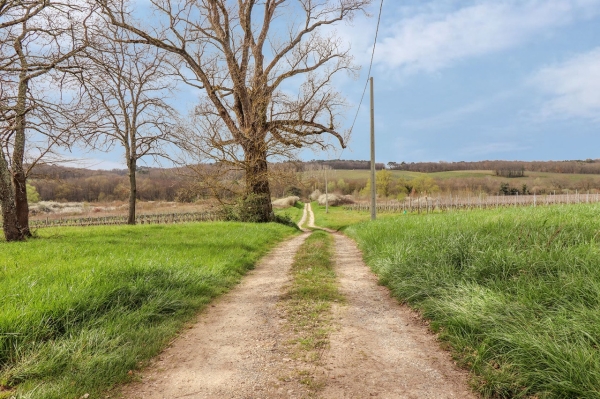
x=471, y=80
x=475, y=80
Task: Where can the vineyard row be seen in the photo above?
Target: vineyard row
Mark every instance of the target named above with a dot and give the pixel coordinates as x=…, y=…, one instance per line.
x=448, y=203
x=168, y=218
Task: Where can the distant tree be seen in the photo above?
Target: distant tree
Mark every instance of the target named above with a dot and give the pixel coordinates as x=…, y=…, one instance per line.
x=425, y=185
x=32, y=195
x=383, y=180
x=343, y=186
x=127, y=84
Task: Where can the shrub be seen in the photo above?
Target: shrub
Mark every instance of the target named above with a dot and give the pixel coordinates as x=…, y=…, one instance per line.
x=285, y=202
x=246, y=209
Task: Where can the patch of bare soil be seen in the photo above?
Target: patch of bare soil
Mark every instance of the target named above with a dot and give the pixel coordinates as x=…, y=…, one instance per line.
x=234, y=349
x=380, y=348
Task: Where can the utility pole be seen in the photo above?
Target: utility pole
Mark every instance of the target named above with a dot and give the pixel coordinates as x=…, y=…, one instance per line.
x=373, y=188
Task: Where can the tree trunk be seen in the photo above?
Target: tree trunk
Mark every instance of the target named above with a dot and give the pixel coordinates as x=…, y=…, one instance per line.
x=19, y=178
x=21, y=203
x=10, y=223
x=131, y=165
x=257, y=182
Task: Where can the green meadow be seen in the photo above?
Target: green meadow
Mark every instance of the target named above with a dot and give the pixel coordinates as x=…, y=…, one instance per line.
x=515, y=293
x=81, y=307
x=364, y=174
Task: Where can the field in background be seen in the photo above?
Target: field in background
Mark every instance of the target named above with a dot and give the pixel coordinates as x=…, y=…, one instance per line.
x=53, y=210
x=514, y=292
x=461, y=174
x=80, y=308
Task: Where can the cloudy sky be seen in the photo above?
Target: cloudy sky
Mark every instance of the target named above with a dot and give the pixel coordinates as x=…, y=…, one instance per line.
x=472, y=80
x=475, y=80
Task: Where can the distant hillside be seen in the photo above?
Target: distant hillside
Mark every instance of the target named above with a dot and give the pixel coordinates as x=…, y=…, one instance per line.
x=343, y=164
x=588, y=166
x=55, y=182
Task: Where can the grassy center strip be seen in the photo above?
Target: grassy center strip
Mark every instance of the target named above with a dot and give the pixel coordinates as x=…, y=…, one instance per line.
x=307, y=306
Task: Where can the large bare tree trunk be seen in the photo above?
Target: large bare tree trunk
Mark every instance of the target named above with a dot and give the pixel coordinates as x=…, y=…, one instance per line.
x=10, y=224
x=131, y=165
x=257, y=182
x=19, y=178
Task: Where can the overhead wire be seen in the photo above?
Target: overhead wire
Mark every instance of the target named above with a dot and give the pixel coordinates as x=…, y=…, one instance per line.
x=369, y=72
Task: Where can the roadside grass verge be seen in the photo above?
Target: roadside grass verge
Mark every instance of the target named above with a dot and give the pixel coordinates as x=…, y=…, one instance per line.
x=307, y=304
x=339, y=218
x=515, y=293
x=293, y=212
x=81, y=307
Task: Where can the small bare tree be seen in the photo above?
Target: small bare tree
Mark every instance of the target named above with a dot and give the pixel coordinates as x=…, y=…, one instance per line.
x=126, y=84
x=266, y=89
x=37, y=38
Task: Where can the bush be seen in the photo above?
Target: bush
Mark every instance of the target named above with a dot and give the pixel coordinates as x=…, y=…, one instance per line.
x=315, y=195
x=335, y=200
x=285, y=202
x=246, y=209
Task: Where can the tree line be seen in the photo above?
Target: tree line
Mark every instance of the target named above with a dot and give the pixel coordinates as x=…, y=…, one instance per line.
x=58, y=183
x=503, y=168
x=102, y=75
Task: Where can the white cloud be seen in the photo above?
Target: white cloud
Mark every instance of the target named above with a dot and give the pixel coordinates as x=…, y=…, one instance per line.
x=574, y=87
x=435, y=38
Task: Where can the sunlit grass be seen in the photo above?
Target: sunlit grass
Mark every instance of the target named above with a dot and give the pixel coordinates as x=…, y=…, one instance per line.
x=293, y=212
x=80, y=307
x=339, y=218
x=515, y=292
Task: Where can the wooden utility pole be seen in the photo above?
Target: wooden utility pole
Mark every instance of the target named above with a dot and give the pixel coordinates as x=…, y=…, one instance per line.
x=373, y=188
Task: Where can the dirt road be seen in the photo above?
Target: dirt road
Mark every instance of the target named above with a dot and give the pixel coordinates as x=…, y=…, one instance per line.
x=237, y=347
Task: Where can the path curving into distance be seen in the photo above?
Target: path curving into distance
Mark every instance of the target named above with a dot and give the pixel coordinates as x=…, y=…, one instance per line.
x=236, y=349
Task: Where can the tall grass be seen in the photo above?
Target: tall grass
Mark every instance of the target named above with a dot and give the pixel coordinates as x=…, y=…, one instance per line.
x=81, y=307
x=515, y=293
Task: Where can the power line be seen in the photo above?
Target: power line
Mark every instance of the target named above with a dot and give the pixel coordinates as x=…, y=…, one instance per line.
x=370, y=67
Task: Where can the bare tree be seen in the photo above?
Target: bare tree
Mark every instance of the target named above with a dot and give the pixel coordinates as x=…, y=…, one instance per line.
x=127, y=84
x=265, y=89
x=36, y=38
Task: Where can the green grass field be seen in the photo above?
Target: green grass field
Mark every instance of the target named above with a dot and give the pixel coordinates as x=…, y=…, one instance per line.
x=339, y=218
x=515, y=293
x=80, y=307
x=458, y=174
x=293, y=212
